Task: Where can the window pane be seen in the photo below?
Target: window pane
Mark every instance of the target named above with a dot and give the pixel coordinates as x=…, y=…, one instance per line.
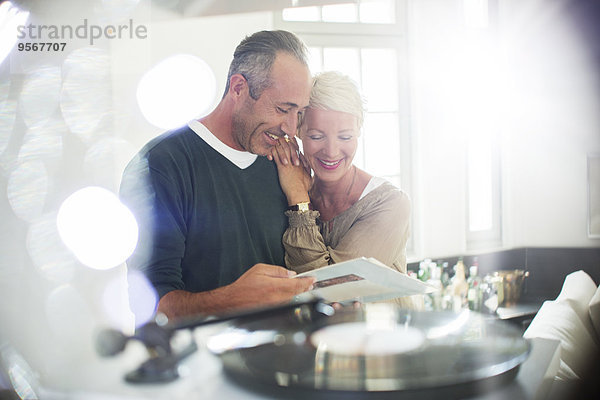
x=301, y=14
x=377, y=11
x=480, y=184
x=315, y=59
x=344, y=60
x=382, y=144
x=340, y=13
x=379, y=71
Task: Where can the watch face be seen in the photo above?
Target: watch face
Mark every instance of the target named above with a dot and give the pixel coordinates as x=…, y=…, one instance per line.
x=303, y=207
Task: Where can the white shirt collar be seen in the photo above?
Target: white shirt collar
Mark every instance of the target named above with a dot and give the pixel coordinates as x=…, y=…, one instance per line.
x=242, y=159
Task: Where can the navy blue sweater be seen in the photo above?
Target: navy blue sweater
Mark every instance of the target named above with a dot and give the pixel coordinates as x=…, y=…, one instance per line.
x=203, y=221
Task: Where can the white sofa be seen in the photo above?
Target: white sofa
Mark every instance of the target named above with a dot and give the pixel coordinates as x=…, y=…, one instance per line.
x=573, y=319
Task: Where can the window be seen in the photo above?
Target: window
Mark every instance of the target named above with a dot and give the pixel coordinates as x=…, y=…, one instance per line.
x=365, y=40
x=363, y=11
x=482, y=99
x=342, y=37
x=483, y=187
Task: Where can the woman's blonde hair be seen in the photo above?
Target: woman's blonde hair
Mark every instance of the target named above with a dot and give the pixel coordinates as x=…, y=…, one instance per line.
x=332, y=90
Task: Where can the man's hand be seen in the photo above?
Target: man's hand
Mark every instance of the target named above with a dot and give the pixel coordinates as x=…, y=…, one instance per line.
x=265, y=284
x=260, y=286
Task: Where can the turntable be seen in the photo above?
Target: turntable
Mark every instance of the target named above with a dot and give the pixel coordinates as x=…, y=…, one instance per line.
x=311, y=350
x=377, y=351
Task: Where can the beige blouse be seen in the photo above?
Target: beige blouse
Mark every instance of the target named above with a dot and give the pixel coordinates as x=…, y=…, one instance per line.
x=376, y=226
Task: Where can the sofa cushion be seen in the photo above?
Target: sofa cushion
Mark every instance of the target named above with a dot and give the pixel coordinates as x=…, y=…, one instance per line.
x=559, y=321
x=579, y=289
x=594, y=311
x=568, y=319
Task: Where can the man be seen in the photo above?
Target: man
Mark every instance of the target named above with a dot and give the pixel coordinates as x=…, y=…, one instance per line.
x=209, y=206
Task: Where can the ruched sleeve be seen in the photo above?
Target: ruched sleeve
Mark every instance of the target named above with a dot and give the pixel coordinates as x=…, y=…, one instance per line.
x=376, y=226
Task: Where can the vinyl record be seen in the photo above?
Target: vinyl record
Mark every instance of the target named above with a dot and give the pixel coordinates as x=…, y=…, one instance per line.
x=376, y=349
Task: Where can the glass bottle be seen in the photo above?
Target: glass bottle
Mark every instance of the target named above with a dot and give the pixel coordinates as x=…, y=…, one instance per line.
x=459, y=286
x=474, y=295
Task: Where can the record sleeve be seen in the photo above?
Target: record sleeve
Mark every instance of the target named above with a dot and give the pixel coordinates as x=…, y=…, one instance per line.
x=361, y=279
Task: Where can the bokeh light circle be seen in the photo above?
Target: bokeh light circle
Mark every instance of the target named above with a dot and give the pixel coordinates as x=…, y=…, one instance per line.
x=40, y=95
x=52, y=259
x=27, y=189
x=176, y=90
x=85, y=97
x=97, y=227
x=105, y=161
x=143, y=298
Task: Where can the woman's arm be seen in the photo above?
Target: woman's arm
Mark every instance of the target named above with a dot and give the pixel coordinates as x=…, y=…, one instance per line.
x=295, y=180
x=379, y=228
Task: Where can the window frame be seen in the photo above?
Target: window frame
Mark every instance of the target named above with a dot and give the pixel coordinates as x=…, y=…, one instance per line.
x=371, y=35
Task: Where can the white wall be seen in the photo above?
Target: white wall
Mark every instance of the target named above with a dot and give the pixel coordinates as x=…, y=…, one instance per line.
x=552, y=123
x=439, y=157
x=211, y=38
x=547, y=122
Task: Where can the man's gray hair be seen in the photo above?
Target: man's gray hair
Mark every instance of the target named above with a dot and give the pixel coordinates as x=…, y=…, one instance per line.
x=254, y=57
x=335, y=91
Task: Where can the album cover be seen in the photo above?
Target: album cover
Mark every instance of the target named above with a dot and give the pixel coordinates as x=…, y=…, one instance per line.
x=361, y=279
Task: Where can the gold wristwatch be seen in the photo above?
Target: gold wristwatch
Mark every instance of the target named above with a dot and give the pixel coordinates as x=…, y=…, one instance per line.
x=303, y=206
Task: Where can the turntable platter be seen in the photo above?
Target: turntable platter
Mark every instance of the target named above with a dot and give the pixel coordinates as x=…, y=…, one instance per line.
x=379, y=348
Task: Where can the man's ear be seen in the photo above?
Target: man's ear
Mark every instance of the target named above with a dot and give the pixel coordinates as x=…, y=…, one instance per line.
x=238, y=85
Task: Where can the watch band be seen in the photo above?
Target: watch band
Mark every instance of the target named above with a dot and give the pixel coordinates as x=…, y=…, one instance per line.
x=302, y=206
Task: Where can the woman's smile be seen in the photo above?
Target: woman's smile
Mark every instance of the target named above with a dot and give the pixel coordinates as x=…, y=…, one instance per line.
x=328, y=164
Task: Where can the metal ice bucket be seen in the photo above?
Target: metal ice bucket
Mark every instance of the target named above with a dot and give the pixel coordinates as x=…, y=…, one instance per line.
x=512, y=286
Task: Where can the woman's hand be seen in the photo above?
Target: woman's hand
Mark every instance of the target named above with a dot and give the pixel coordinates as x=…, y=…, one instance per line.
x=295, y=180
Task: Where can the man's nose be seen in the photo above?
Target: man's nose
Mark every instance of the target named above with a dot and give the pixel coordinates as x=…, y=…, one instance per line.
x=290, y=124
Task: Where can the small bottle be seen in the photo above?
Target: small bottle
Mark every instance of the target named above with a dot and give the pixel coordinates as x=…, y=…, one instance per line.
x=489, y=295
x=435, y=281
x=424, y=270
x=445, y=273
x=459, y=286
x=474, y=295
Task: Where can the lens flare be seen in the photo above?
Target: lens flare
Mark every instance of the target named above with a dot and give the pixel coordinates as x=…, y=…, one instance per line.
x=52, y=259
x=44, y=142
x=97, y=227
x=105, y=161
x=40, y=95
x=143, y=298
x=85, y=97
x=27, y=190
x=115, y=303
x=70, y=319
x=178, y=89
x=10, y=18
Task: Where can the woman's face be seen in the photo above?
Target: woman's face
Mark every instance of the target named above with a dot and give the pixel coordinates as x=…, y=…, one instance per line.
x=329, y=141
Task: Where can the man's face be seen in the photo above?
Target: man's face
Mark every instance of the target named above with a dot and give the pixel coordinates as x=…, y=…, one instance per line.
x=259, y=124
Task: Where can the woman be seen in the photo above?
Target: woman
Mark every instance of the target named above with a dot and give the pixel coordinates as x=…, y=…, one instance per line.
x=350, y=213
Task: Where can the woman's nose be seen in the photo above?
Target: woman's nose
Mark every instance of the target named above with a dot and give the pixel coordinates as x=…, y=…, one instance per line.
x=331, y=148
